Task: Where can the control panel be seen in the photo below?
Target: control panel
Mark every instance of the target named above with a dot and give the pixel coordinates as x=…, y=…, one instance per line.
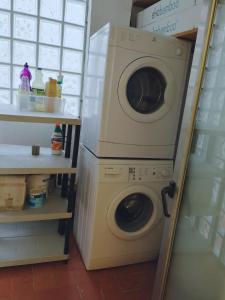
x=150, y=173
x=135, y=173
x=113, y=173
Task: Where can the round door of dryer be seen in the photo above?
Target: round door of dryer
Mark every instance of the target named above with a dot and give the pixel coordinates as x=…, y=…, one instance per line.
x=134, y=212
x=146, y=89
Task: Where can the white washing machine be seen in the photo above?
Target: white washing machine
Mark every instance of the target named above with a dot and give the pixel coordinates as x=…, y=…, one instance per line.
x=134, y=87
x=118, y=215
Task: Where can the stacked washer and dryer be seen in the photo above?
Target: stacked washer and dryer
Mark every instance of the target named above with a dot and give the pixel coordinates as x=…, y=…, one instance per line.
x=134, y=87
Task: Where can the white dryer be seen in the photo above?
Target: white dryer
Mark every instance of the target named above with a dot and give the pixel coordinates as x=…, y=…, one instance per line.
x=134, y=87
x=118, y=215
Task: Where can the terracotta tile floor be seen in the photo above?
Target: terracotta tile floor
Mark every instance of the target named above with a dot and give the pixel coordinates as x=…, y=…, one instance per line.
x=60, y=281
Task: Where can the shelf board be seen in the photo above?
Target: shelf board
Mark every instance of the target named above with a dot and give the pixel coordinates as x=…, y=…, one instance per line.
x=54, y=208
x=30, y=242
x=19, y=160
x=190, y=35
x=8, y=112
x=31, y=249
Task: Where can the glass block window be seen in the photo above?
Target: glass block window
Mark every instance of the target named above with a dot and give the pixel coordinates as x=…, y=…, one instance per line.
x=44, y=33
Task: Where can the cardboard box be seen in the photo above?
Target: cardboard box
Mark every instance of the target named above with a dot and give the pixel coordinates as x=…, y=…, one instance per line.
x=171, y=16
x=162, y=10
x=12, y=192
x=176, y=23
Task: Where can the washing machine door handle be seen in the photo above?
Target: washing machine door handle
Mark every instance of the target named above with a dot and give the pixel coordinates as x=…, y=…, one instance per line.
x=170, y=191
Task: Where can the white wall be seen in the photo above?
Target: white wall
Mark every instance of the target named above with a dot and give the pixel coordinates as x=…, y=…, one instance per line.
x=25, y=133
x=117, y=12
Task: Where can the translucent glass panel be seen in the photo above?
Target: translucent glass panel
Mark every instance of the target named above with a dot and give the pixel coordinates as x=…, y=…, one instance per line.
x=4, y=24
x=5, y=4
x=72, y=105
x=73, y=37
x=4, y=50
x=72, y=61
x=24, y=52
x=26, y=6
x=4, y=76
x=75, y=12
x=49, y=57
x=25, y=27
x=217, y=245
x=4, y=96
x=221, y=224
x=71, y=84
x=197, y=269
x=50, y=32
x=51, y=9
x=16, y=77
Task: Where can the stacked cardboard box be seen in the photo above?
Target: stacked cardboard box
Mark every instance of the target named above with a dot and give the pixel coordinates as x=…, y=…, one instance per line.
x=170, y=16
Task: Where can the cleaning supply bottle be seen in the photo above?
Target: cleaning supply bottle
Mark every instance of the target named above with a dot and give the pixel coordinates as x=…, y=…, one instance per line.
x=59, y=85
x=24, y=87
x=57, y=140
x=38, y=86
x=25, y=77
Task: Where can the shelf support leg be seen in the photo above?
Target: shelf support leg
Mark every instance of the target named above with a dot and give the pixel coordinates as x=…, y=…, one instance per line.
x=67, y=236
x=67, y=155
x=72, y=191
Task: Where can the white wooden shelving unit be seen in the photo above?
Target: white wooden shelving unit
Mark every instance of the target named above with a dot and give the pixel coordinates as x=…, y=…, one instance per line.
x=42, y=234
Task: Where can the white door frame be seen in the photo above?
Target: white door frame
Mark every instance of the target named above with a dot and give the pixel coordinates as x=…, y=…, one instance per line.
x=181, y=163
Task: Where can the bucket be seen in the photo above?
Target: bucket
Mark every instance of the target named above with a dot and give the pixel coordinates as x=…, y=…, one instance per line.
x=37, y=190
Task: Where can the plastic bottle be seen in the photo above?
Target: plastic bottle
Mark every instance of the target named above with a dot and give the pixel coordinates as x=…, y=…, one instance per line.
x=38, y=86
x=51, y=93
x=52, y=88
x=24, y=87
x=46, y=86
x=59, y=85
x=25, y=76
x=57, y=140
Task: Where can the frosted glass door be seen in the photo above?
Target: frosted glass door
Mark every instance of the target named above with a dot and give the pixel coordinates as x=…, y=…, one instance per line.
x=197, y=269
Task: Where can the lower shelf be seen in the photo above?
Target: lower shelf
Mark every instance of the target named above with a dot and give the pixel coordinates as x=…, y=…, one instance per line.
x=44, y=245
x=54, y=208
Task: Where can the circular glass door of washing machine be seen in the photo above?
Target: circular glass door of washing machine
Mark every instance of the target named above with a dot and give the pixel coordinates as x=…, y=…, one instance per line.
x=134, y=212
x=146, y=89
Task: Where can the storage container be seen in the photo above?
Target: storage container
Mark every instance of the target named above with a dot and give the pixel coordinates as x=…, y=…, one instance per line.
x=12, y=192
x=37, y=190
x=40, y=103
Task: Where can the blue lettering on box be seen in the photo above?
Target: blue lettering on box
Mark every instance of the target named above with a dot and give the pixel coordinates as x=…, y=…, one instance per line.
x=164, y=9
x=168, y=28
